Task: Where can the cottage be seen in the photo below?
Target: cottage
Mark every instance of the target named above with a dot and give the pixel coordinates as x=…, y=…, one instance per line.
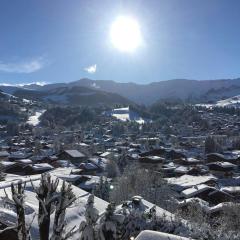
x=4, y=155
x=222, y=169
x=74, y=156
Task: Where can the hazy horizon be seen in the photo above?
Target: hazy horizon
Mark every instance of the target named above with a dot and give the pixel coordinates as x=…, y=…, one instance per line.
x=46, y=83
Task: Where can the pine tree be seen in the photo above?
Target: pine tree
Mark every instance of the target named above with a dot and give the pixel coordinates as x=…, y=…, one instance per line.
x=108, y=226
x=87, y=227
x=210, y=145
x=102, y=189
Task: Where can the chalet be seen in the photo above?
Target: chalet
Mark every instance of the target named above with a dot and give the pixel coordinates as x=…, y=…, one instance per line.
x=62, y=163
x=4, y=155
x=151, y=159
x=222, y=169
x=215, y=157
x=89, y=168
x=221, y=208
x=19, y=155
x=37, y=168
x=207, y=193
x=175, y=154
x=12, y=167
x=168, y=170
x=187, y=181
x=155, y=152
x=187, y=161
x=181, y=170
x=74, y=156
x=233, y=190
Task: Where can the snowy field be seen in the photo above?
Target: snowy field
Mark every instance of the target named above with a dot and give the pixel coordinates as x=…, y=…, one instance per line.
x=233, y=102
x=125, y=114
x=34, y=119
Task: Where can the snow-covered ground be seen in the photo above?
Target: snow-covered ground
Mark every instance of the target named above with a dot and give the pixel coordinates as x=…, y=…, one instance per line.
x=125, y=114
x=74, y=214
x=8, y=95
x=233, y=102
x=230, y=102
x=34, y=119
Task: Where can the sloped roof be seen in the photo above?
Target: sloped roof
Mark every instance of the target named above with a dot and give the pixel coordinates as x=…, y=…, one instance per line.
x=74, y=153
x=153, y=235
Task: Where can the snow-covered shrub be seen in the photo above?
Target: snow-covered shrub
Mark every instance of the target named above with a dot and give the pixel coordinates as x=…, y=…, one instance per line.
x=146, y=183
x=87, y=228
x=46, y=194
x=108, y=224
x=65, y=199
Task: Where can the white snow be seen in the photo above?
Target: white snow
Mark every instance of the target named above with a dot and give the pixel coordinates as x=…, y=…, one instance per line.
x=74, y=214
x=153, y=235
x=125, y=114
x=187, y=181
x=190, y=192
x=233, y=102
x=34, y=119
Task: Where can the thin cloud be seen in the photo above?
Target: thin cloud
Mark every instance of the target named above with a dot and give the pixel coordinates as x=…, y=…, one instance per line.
x=91, y=69
x=22, y=67
x=23, y=84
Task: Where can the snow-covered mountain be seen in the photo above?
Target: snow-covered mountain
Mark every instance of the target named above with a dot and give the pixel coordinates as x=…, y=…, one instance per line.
x=191, y=90
x=73, y=95
x=198, y=91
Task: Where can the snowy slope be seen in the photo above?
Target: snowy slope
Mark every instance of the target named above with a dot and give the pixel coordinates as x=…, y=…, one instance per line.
x=126, y=114
x=230, y=102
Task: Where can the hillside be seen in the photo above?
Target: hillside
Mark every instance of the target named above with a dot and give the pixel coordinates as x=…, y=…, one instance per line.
x=194, y=90
x=73, y=96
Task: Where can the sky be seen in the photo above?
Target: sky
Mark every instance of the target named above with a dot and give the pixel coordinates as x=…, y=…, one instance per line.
x=66, y=40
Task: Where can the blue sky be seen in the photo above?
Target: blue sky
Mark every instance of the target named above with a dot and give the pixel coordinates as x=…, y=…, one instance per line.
x=65, y=40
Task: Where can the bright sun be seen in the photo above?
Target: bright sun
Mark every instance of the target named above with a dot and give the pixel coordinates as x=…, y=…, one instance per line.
x=125, y=34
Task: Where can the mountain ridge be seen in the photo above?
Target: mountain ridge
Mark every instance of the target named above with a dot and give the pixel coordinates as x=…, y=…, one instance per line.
x=184, y=89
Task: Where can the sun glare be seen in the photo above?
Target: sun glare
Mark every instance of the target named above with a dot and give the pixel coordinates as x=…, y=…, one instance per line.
x=125, y=34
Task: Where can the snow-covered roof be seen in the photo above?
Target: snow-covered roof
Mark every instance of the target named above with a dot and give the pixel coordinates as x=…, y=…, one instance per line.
x=7, y=163
x=223, y=164
x=231, y=189
x=88, y=166
x=181, y=169
x=190, y=192
x=19, y=155
x=105, y=154
x=42, y=166
x=187, y=181
x=4, y=154
x=100, y=162
x=153, y=235
x=74, y=214
x=75, y=153
x=25, y=161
